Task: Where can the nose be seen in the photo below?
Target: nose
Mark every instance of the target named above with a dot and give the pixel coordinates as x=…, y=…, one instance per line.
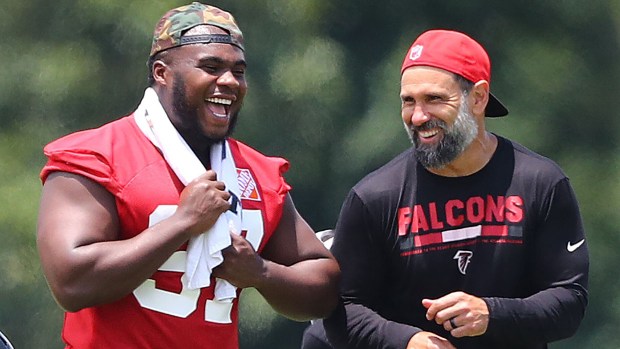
x=415, y=115
x=228, y=79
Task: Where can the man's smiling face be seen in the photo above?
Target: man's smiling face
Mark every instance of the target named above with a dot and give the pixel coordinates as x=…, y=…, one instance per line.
x=208, y=87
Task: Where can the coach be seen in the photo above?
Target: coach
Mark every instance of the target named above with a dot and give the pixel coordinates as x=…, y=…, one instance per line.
x=465, y=240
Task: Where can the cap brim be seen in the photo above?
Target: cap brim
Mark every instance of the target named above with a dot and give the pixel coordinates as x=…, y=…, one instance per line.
x=495, y=108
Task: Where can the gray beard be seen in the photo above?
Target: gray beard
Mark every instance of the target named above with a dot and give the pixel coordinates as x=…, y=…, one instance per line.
x=455, y=139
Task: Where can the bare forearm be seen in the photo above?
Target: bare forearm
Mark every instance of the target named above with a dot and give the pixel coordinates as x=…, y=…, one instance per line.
x=303, y=291
x=106, y=271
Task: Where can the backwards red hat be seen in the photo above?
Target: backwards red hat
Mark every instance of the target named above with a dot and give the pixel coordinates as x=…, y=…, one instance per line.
x=456, y=53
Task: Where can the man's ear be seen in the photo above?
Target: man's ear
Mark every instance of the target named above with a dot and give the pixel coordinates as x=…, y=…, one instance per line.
x=161, y=72
x=479, y=97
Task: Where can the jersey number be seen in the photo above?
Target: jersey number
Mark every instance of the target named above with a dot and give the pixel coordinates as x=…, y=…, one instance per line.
x=186, y=302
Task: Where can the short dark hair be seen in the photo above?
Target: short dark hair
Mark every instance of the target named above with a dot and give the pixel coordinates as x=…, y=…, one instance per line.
x=464, y=84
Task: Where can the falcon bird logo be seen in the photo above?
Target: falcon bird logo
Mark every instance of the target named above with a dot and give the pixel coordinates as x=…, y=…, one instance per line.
x=462, y=259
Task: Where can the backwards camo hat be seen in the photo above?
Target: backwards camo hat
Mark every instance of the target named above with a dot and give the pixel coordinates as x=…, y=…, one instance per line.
x=457, y=53
x=171, y=27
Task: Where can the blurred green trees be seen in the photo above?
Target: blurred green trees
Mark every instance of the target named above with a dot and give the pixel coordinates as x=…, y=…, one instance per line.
x=324, y=80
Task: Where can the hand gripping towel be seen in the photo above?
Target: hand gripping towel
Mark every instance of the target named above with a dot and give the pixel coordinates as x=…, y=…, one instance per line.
x=203, y=251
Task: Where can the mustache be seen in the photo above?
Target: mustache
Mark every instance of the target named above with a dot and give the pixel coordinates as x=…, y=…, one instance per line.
x=430, y=124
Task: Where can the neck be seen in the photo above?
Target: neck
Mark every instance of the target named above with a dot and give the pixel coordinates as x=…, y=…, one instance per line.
x=472, y=160
x=200, y=145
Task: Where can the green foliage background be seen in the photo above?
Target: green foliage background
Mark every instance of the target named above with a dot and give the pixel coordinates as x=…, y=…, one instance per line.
x=324, y=79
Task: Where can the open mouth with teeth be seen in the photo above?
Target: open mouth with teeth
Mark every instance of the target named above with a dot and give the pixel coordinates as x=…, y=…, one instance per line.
x=428, y=134
x=220, y=107
x=430, y=131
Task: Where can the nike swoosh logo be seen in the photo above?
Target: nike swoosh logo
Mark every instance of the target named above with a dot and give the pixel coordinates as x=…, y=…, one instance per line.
x=572, y=247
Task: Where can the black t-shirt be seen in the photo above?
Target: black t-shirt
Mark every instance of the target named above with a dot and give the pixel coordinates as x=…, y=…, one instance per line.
x=506, y=233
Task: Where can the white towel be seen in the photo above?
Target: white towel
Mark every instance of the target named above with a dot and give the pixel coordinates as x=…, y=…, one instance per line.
x=204, y=250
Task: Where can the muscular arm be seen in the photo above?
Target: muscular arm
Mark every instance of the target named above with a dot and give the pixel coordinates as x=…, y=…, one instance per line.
x=302, y=275
x=84, y=261
x=295, y=273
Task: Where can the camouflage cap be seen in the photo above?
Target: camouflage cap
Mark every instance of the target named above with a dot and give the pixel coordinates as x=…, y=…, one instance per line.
x=171, y=27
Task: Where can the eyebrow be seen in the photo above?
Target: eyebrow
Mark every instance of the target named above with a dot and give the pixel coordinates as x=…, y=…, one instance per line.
x=218, y=60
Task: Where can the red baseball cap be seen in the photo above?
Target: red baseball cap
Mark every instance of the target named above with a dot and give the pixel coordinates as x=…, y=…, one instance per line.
x=457, y=53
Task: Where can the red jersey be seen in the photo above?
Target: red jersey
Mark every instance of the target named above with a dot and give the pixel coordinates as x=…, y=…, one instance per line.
x=161, y=313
